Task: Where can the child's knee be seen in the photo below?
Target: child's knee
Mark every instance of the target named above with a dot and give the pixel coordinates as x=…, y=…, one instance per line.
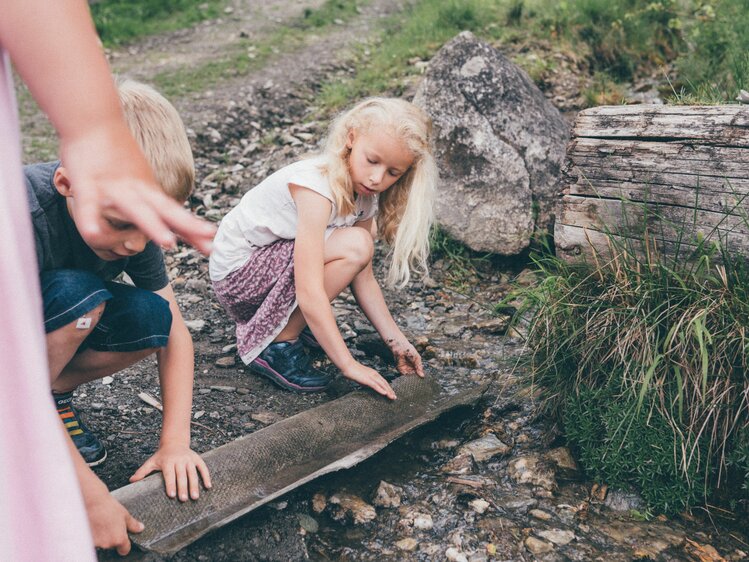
x=359, y=247
x=73, y=299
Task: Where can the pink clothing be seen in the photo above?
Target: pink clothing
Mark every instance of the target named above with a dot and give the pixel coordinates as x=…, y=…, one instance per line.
x=41, y=510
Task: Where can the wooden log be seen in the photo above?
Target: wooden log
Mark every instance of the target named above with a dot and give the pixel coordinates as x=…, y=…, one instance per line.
x=676, y=174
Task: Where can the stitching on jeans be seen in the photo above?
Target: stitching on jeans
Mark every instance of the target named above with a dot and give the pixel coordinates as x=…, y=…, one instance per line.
x=79, y=303
x=135, y=341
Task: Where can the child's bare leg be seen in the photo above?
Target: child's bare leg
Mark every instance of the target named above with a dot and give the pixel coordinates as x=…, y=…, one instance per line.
x=347, y=252
x=91, y=365
x=64, y=342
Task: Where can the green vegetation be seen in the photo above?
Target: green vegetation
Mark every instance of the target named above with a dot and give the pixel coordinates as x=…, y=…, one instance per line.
x=645, y=359
x=121, y=21
x=464, y=262
x=702, y=44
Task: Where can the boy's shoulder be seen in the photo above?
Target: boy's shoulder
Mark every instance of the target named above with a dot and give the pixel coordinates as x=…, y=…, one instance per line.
x=40, y=185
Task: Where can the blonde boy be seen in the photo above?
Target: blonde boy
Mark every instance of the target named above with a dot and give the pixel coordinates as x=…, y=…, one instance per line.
x=96, y=327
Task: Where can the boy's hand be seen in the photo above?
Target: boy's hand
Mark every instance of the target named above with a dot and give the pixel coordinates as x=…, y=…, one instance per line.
x=371, y=378
x=110, y=521
x=180, y=466
x=407, y=359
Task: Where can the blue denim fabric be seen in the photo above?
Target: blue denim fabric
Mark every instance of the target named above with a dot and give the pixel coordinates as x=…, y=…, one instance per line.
x=133, y=318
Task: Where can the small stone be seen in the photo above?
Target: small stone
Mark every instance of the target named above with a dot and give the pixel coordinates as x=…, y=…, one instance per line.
x=540, y=514
x=459, y=465
x=266, y=418
x=229, y=348
x=387, y=495
x=199, y=414
x=204, y=391
x=107, y=380
x=537, y=546
x=223, y=388
x=350, y=505
x=279, y=506
x=485, y=448
x=243, y=391
x=319, y=502
x=214, y=415
x=557, y=536
x=423, y=522
x=97, y=406
x=619, y=500
x=566, y=466
x=408, y=544
x=308, y=523
x=225, y=362
x=479, y=506
x=531, y=470
x=454, y=555
x=195, y=325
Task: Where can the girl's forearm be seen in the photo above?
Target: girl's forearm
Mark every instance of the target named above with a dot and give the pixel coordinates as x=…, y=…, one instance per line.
x=369, y=295
x=319, y=317
x=71, y=58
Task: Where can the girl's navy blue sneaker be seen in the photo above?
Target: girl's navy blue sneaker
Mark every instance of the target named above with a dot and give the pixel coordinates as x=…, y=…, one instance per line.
x=287, y=365
x=309, y=339
x=91, y=449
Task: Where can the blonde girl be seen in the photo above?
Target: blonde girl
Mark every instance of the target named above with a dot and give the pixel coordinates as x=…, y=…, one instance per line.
x=304, y=234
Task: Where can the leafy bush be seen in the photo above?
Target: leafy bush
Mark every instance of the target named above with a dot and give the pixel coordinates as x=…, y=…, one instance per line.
x=645, y=358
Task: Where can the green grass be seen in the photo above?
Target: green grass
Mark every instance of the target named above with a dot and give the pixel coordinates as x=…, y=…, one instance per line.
x=645, y=357
x=122, y=21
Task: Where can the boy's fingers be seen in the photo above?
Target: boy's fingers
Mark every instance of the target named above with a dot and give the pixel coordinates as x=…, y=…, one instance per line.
x=182, y=483
x=146, y=469
x=204, y=473
x=170, y=481
x=194, y=482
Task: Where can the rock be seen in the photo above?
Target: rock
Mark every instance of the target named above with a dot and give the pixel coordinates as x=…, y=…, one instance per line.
x=479, y=506
x=220, y=388
x=308, y=523
x=408, y=544
x=540, y=514
x=423, y=522
x=266, y=418
x=107, y=380
x=499, y=143
x=566, y=465
x=226, y=362
x=618, y=500
x=454, y=555
x=537, y=546
x=484, y=448
x=344, y=505
x=461, y=464
x=195, y=325
x=319, y=502
x=387, y=495
x=532, y=470
x=228, y=348
x=557, y=536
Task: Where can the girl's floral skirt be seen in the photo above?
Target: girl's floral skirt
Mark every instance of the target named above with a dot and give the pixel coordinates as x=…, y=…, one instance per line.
x=260, y=296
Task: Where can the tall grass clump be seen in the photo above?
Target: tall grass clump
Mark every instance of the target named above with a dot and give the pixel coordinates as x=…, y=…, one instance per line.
x=644, y=358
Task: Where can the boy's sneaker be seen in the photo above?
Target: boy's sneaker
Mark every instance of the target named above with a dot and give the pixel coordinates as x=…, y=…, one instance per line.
x=91, y=449
x=287, y=365
x=309, y=339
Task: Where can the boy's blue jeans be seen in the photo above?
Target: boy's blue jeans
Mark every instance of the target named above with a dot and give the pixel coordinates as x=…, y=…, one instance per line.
x=133, y=319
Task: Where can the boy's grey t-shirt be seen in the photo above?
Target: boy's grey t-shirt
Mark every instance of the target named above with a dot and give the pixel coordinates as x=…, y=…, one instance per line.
x=60, y=246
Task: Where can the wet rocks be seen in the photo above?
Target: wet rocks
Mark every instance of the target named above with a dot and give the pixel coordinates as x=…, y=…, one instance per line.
x=538, y=546
x=620, y=500
x=531, y=469
x=345, y=506
x=557, y=536
x=387, y=495
x=484, y=448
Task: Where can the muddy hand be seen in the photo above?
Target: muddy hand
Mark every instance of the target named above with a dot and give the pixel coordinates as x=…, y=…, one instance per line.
x=407, y=359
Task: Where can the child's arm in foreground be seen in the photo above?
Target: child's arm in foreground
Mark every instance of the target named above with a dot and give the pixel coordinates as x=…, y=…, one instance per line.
x=55, y=49
x=368, y=294
x=309, y=273
x=179, y=464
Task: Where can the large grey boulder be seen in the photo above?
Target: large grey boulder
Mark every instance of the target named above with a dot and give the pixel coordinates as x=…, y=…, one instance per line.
x=500, y=146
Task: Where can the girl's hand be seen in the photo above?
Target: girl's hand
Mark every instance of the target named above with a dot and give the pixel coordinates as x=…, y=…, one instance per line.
x=180, y=466
x=407, y=359
x=371, y=378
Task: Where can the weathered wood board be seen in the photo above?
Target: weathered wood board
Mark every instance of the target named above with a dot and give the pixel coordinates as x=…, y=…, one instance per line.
x=679, y=173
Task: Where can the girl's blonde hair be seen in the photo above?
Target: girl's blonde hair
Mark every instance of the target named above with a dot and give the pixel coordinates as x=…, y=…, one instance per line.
x=406, y=208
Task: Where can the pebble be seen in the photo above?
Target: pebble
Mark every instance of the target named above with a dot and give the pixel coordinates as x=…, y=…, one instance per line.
x=225, y=362
x=540, y=514
x=195, y=325
x=479, y=506
x=387, y=495
x=344, y=505
x=537, y=546
x=423, y=522
x=266, y=418
x=531, y=470
x=223, y=388
x=107, y=380
x=319, y=502
x=204, y=391
x=243, y=391
x=557, y=536
x=199, y=414
x=485, y=448
x=308, y=523
x=228, y=348
x=618, y=500
x=454, y=555
x=214, y=415
x=408, y=544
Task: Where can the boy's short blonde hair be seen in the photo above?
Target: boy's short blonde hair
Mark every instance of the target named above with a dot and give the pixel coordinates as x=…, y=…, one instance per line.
x=156, y=125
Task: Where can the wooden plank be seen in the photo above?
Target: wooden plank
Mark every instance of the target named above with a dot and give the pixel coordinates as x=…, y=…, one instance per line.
x=715, y=125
